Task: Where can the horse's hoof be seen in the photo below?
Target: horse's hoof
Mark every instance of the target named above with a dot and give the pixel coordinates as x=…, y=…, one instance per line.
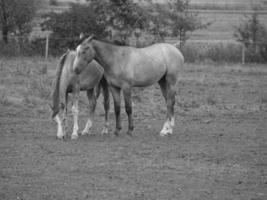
x=74, y=137
x=104, y=131
x=116, y=133
x=85, y=133
x=61, y=137
x=165, y=133
x=129, y=133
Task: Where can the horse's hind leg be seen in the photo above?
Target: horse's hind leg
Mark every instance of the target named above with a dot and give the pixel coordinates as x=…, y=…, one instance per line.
x=106, y=105
x=75, y=112
x=163, y=87
x=117, y=108
x=128, y=107
x=92, y=104
x=168, y=90
x=61, y=121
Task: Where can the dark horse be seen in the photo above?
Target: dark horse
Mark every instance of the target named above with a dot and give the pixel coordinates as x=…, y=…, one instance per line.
x=126, y=67
x=90, y=80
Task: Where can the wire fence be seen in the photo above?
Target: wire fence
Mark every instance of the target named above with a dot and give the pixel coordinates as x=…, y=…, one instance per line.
x=193, y=50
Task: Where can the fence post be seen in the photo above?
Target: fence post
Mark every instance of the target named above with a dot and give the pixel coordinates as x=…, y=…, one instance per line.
x=17, y=39
x=243, y=53
x=46, y=46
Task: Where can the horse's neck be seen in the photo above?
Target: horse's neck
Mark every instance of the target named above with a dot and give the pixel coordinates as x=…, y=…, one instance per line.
x=104, y=53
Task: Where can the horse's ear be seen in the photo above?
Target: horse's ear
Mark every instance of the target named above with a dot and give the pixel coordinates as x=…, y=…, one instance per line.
x=89, y=38
x=81, y=35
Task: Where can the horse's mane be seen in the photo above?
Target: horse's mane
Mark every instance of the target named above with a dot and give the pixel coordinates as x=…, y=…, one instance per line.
x=55, y=93
x=115, y=42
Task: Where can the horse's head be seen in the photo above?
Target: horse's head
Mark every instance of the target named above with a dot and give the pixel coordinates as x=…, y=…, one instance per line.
x=84, y=55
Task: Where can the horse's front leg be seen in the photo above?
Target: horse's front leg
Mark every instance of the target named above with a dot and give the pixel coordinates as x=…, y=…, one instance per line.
x=106, y=107
x=60, y=127
x=61, y=121
x=92, y=104
x=127, y=93
x=116, y=93
x=75, y=112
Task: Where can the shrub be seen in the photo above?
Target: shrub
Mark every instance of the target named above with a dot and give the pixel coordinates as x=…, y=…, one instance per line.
x=53, y=2
x=224, y=53
x=221, y=52
x=191, y=54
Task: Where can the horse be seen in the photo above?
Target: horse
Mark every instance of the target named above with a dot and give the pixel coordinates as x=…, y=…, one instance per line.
x=66, y=81
x=126, y=67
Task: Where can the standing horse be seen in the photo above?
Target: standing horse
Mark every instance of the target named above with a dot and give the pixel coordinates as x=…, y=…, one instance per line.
x=91, y=79
x=126, y=67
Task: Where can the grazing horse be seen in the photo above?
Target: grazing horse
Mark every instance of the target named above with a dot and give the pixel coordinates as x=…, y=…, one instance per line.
x=66, y=81
x=126, y=67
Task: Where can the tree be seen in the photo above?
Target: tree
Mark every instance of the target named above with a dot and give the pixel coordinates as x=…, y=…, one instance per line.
x=176, y=20
x=253, y=35
x=184, y=21
x=67, y=26
x=121, y=16
x=250, y=31
x=16, y=16
x=115, y=20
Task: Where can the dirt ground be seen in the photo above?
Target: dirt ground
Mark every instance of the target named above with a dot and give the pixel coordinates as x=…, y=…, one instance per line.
x=218, y=149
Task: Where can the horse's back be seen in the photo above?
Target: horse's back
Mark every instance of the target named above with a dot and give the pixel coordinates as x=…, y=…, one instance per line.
x=171, y=52
x=174, y=59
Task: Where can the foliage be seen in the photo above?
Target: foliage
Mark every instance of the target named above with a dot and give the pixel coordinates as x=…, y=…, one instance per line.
x=22, y=47
x=16, y=16
x=253, y=35
x=215, y=52
x=67, y=26
x=53, y=2
x=180, y=21
x=109, y=19
x=121, y=18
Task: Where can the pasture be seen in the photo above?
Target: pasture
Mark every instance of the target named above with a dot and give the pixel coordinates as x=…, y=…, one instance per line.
x=218, y=149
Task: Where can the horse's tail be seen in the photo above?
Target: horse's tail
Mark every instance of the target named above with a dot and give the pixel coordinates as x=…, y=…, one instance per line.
x=56, y=86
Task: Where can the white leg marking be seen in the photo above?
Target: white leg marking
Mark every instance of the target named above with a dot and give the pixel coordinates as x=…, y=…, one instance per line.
x=172, y=122
x=60, y=132
x=87, y=127
x=105, y=129
x=75, y=120
x=167, y=128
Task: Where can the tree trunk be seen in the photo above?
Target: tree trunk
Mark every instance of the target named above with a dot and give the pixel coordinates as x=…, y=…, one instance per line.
x=4, y=21
x=5, y=35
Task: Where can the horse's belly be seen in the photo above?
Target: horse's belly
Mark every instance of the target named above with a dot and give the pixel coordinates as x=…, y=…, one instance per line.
x=89, y=80
x=147, y=75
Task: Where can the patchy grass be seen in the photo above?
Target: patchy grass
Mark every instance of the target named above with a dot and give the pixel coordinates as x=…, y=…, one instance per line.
x=216, y=151
x=199, y=86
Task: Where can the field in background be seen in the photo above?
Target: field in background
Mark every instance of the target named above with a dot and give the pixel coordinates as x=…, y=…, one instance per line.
x=223, y=23
x=218, y=149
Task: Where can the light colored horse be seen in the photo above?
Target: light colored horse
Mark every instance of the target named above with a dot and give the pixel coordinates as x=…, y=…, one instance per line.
x=126, y=67
x=66, y=81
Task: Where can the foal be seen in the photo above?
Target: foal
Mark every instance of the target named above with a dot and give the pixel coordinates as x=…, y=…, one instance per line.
x=90, y=80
